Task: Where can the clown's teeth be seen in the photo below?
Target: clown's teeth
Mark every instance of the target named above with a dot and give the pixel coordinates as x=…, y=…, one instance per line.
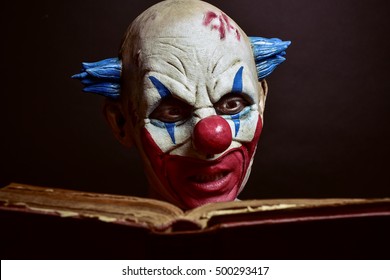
x=204, y=178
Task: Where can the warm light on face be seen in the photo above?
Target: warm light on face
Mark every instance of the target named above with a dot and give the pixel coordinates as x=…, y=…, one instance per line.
x=185, y=91
x=200, y=120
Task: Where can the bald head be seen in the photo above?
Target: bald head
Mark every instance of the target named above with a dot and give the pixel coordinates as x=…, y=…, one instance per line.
x=178, y=19
x=189, y=41
x=186, y=66
x=193, y=22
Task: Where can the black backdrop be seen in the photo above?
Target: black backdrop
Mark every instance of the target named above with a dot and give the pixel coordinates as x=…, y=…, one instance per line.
x=327, y=115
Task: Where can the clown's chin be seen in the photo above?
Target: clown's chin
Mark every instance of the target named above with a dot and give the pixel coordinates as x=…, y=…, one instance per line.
x=198, y=182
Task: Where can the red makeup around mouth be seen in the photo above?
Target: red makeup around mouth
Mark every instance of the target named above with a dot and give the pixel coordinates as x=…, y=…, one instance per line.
x=198, y=182
x=190, y=182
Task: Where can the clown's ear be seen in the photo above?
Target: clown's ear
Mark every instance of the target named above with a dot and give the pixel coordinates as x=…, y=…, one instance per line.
x=262, y=95
x=118, y=123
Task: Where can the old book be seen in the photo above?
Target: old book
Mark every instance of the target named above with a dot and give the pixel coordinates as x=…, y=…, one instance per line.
x=44, y=212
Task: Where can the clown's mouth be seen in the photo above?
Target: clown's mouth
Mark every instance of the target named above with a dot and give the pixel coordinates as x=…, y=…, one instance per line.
x=197, y=182
x=208, y=178
x=210, y=183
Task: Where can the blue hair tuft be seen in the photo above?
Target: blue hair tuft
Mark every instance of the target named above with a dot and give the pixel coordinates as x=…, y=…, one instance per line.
x=101, y=77
x=268, y=54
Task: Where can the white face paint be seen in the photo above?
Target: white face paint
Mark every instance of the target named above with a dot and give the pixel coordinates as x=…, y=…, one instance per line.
x=194, y=63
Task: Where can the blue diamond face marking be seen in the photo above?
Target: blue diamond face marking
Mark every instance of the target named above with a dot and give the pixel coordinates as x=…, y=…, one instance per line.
x=237, y=88
x=162, y=90
x=171, y=131
x=237, y=83
x=236, y=121
x=164, y=93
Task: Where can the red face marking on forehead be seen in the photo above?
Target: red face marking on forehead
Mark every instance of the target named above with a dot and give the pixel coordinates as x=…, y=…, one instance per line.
x=209, y=18
x=221, y=23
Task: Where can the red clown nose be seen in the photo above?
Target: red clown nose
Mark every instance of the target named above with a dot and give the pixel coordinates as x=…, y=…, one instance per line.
x=212, y=135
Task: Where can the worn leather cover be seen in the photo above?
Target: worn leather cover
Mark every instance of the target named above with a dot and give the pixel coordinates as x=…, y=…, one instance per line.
x=341, y=231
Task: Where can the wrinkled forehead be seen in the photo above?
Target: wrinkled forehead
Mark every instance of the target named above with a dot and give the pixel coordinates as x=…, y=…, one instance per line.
x=202, y=50
x=192, y=31
x=185, y=46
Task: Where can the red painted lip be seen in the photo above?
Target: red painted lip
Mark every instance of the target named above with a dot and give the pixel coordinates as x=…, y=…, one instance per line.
x=197, y=182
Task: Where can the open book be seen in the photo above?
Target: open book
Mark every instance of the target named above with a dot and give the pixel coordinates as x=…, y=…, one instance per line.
x=50, y=223
x=164, y=218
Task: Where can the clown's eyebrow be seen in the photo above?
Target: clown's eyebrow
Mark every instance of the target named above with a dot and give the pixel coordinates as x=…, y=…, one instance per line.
x=216, y=64
x=234, y=63
x=182, y=89
x=162, y=90
x=180, y=67
x=237, y=82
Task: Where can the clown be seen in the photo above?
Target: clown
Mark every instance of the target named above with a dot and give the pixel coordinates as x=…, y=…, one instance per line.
x=188, y=91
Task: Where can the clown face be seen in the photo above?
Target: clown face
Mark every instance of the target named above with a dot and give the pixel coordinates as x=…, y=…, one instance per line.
x=194, y=104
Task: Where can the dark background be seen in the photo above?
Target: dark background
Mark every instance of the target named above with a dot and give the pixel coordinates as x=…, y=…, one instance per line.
x=327, y=115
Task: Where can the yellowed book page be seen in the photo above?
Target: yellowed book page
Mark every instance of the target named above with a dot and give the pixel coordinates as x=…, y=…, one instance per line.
x=105, y=207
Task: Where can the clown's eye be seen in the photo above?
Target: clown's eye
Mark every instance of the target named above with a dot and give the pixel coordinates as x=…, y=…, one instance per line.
x=231, y=104
x=171, y=110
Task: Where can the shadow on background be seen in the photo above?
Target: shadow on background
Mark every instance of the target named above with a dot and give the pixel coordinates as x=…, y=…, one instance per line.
x=327, y=117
